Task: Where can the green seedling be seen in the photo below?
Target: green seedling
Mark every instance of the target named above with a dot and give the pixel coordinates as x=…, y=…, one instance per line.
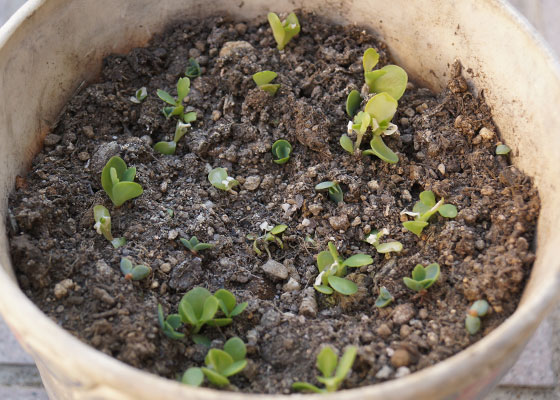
x=477, y=310
x=333, y=370
x=332, y=268
x=181, y=129
x=335, y=192
x=390, y=79
x=118, y=181
x=353, y=102
x=424, y=209
x=140, y=95
x=170, y=324
x=193, y=69
x=176, y=103
x=263, y=79
x=134, y=272
x=281, y=150
x=197, y=308
x=271, y=235
x=220, y=364
x=194, y=245
x=283, y=31
x=103, y=226
x=374, y=237
x=228, y=304
x=170, y=212
x=502, y=150
x=384, y=299
x=422, y=278
x=219, y=178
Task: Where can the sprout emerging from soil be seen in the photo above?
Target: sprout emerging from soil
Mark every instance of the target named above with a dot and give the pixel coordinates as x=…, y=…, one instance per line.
x=335, y=192
x=193, y=69
x=220, y=364
x=176, y=104
x=390, y=79
x=353, y=103
x=374, y=237
x=384, y=299
x=334, y=370
x=170, y=324
x=281, y=149
x=134, y=272
x=424, y=209
x=263, y=79
x=332, y=268
x=194, y=245
x=103, y=226
x=118, y=181
x=271, y=235
x=502, y=150
x=283, y=31
x=422, y=278
x=228, y=303
x=219, y=178
x=477, y=310
x=181, y=129
x=140, y=95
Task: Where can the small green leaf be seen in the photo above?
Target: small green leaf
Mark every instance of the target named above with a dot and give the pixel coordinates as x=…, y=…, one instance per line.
x=412, y=284
x=334, y=252
x=193, y=69
x=163, y=95
x=472, y=324
x=326, y=361
x=202, y=246
x=218, y=360
x=380, y=149
x=239, y=309
x=167, y=148
x=384, y=299
x=209, y=309
x=180, y=130
x=371, y=77
x=264, y=77
x=187, y=313
x=277, y=30
x=281, y=149
x=304, y=386
x=226, y=300
x=119, y=166
x=174, y=320
x=234, y=368
x=270, y=88
x=480, y=307
x=324, y=259
x=323, y=289
x=342, y=285
x=346, y=362
x=140, y=272
x=219, y=178
x=502, y=149
x=278, y=229
x=370, y=59
x=432, y=274
x=393, y=82
x=118, y=242
x=124, y=191
x=189, y=117
x=325, y=185
x=196, y=297
x=382, y=107
x=428, y=198
x=358, y=260
x=99, y=212
x=347, y=144
x=419, y=273
x=183, y=89
x=161, y=318
x=193, y=377
x=415, y=227
x=126, y=266
x=236, y=349
x=389, y=247
x=448, y=211
x=353, y=102
x=215, y=378
x=201, y=339
x=335, y=193
x=220, y=322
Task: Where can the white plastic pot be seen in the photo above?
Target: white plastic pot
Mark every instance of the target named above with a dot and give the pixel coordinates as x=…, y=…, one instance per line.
x=51, y=46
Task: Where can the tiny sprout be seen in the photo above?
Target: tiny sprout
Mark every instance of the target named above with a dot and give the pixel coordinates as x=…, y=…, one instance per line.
x=170, y=212
x=139, y=96
x=103, y=226
x=134, y=273
x=332, y=268
x=477, y=310
x=281, y=149
x=228, y=303
x=263, y=79
x=390, y=79
x=271, y=235
x=193, y=70
x=118, y=181
x=334, y=370
x=176, y=104
x=373, y=239
x=220, y=364
x=353, y=103
x=283, y=31
x=422, y=278
x=502, y=149
x=197, y=308
x=424, y=209
x=194, y=245
x=219, y=178
x=335, y=192
x=384, y=299
x=170, y=324
x=181, y=129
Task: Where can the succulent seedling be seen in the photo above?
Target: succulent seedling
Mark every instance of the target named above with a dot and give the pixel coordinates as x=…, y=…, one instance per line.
x=134, y=272
x=263, y=79
x=424, y=209
x=333, y=370
x=170, y=324
x=194, y=245
x=353, y=102
x=335, y=192
x=220, y=364
x=176, y=104
x=181, y=129
x=281, y=150
x=384, y=299
x=477, y=310
x=502, y=149
x=271, y=235
x=139, y=96
x=283, y=31
x=118, y=181
x=374, y=237
x=193, y=69
x=197, y=308
x=332, y=268
x=228, y=304
x=103, y=226
x=390, y=79
x=422, y=278
x=219, y=178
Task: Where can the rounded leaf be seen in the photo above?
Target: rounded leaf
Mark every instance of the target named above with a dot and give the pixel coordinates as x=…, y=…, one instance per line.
x=281, y=149
x=371, y=77
x=323, y=289
x=380, y=149
x=342, y=285
x=472, y=324
x=167, y=148
x=502, y=149
x=384, y=298
x=346, y=362
x=432, y=274
x=218, y=360
x=304, y=386
x=124, y=191
x=196, y=298
x=118, y=242
x=187, y=313
x=226, y=300
x=392, y=82
x=201, y=339
x=239, y=309
x=326, y=361
x=415, y=227
x=217, y=177
x=389, y=247
x=120, y=167
x=264, y=77
x=215, y=378
x=126, y=266
x=382, y=107
x=370, y=59
x=347, y=144
x=193, y=377
x=428, y=198
x=419, y=273
x=448, y=211
x=412, y=284
x=209, y=309
x=163, y=95
x=480, y=307
x=277, y=29
x=193, y=69
x=353, y=102
x=325, y=185
x=234, y=368
x=236, y=348
x=183, y=88
x=358, y=260
x=100, y=212
x=278, y=229
x=140, y=272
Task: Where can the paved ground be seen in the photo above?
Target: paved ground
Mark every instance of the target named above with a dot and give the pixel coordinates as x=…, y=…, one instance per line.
x=534, y=377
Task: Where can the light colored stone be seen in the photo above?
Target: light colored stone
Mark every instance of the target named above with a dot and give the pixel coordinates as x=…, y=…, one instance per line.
x=275, y=270
x=236, y=47
x=252, y=183
x=292, y=285
x=62, y=287
x=308, y=306
x=486, y=134
x=339, y=222
x=403, y=313
x=384, y=373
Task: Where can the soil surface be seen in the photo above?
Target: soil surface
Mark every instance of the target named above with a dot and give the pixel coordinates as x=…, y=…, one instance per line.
x=446, y=143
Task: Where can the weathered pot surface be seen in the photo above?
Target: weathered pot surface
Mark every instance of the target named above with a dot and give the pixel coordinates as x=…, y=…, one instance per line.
x=51, y=46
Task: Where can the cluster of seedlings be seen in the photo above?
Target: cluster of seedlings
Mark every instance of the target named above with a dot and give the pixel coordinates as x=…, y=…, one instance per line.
x=199, y=308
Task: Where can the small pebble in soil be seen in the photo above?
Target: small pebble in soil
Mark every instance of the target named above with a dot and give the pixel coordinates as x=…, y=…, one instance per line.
x=61, y=288
x=339, y=222
x=275, y=270
x=403, y=313
x=384, y=373
x=308, y=305
x=400, y=358
x=292, y=285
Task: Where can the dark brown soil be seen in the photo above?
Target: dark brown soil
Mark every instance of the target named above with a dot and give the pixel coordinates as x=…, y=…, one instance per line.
x=485, y=253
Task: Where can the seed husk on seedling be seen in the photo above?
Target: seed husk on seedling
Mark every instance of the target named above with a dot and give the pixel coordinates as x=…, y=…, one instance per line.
x=424, y=209
x=103, y=226
x=283, y=31
x=194, y=245
x=134, y=272
x=263, y=79
x=193, y=69
x=219, y=178
x=176, y=103
x=333, y=188
x=422, y=278
x=118, y=181
x=281, y=149
x=374, y=237
x=472, y=320
x=333, y=370
x=140, y=95
x=271, y=235
x=384, y=299
x=502, y=149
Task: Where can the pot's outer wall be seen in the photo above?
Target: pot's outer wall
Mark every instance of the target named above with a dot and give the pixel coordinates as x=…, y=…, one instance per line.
x=51, y=46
